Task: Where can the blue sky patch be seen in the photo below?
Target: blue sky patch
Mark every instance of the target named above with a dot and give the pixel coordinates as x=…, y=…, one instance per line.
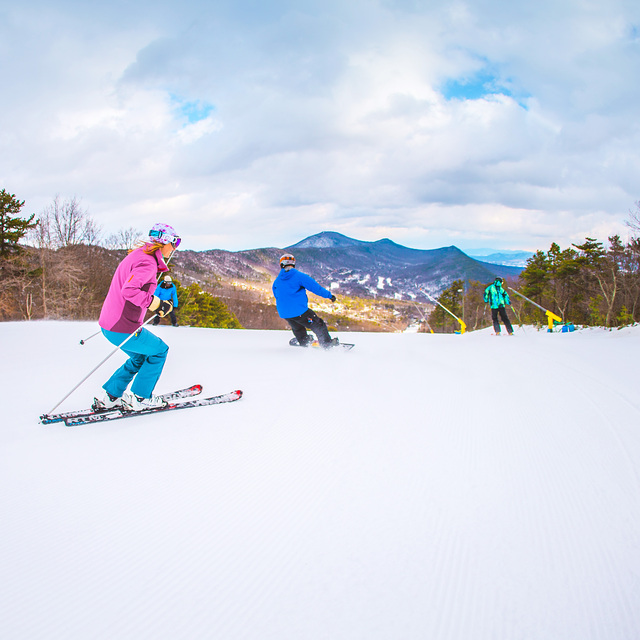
x=192, y=111
x=480, y=85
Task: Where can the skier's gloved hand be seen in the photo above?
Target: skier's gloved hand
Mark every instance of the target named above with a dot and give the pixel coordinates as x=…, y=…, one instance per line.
x=161, y=307
x=165, y=308
x=332, y=298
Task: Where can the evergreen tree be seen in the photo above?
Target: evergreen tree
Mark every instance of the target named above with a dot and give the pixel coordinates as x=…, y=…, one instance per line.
x=563, y=269
x=536, y=276
x=15, y=272
x=451, y=298
x=600, y=270
x=12, y=227
x=475, y=309
x=586, y=284
x=198, y=308
x=550, y=280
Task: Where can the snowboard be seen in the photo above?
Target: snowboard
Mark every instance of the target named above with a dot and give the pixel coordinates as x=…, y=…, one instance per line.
x=342, y=346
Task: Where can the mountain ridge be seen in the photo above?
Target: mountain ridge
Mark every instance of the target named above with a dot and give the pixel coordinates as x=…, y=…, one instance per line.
x=354, y=267
x=385, y=274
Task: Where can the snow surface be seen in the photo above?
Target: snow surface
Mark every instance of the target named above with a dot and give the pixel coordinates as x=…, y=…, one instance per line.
x=418, y=487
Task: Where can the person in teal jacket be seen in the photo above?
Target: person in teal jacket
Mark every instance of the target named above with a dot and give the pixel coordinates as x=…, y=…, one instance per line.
x=290, y=291
x=498, y=299
x=166, y=290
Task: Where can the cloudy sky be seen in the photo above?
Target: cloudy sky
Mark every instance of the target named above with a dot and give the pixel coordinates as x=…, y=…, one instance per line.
x=248, y=123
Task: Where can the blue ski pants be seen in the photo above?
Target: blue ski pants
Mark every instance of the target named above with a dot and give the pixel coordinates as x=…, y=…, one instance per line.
x=147, y=355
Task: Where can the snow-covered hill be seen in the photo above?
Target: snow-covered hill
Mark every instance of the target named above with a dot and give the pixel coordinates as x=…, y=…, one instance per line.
x=418, y=487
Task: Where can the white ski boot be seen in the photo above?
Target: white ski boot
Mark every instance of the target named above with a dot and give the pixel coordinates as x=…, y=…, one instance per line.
x=106, y=402
x=132, y=402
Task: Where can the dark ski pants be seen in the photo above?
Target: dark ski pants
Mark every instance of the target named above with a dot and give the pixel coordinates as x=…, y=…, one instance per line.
x=505, y=319
x=309, y=320
x=172, y=315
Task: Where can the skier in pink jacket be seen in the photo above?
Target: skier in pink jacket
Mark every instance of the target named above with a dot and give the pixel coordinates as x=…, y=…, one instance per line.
x=123, y=311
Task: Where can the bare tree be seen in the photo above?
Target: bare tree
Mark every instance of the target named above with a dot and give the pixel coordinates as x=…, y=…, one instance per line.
x=63, y=235
x=69, y=224
x=123, y=239
x=634, y=218
x=40, y=237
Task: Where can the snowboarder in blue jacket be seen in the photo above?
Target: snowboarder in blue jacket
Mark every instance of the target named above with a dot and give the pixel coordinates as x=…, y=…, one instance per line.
x=290, y=291
x=498, y=299
x=166, y=290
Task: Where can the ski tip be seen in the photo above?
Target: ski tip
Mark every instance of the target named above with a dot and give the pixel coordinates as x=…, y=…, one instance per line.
x=238, y=392
x=196, y=387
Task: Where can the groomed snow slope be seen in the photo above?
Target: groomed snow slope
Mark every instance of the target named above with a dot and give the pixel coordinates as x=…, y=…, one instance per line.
x=418, y=487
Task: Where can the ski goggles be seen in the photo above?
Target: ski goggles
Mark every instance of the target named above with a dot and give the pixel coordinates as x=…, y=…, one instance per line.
x=166, y=238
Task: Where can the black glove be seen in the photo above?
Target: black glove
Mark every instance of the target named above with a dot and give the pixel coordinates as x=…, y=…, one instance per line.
x=332, y=298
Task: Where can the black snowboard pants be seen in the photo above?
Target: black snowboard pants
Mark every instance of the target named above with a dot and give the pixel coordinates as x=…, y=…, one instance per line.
x=309, y=320
x=505, y=319
x=172, y=316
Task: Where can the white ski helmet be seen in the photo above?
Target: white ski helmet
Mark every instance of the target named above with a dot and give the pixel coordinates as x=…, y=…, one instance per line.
x=287, y=260
x=164, y=234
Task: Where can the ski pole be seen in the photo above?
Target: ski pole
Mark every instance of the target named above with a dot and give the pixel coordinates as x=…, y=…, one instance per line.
x=423, y=316
x=101, y=363
x=93, y=335
x=552, y=317
x=518, y=316
x=463, y=326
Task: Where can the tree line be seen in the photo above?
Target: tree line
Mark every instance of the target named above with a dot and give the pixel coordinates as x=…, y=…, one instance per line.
x=59, y=266
x=591, y=283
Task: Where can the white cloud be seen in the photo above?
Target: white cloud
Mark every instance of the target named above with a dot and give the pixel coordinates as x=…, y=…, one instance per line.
x=295, y=117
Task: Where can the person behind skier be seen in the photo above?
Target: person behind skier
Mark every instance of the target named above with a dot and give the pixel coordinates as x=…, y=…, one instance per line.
x=290, y=291
x=498, y=298
x=166, y=290
x=129, y=297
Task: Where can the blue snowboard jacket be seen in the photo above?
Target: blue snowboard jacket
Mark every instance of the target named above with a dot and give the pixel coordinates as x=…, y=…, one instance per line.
x=167, y=293
x=290, y=290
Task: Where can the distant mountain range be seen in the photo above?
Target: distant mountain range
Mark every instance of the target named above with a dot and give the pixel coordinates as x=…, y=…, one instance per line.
x=507, y=258
x=351, y=267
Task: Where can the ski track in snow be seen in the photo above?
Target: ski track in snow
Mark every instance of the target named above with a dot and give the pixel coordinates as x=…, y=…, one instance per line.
x=420, y=486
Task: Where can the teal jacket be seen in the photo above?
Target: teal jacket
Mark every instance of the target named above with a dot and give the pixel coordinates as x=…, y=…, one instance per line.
x=496, y=296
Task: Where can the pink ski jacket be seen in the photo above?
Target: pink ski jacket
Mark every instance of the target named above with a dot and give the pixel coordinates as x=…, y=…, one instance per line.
x=131, y=291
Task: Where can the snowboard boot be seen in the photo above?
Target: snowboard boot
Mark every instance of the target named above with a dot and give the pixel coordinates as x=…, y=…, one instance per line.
x=306, y=342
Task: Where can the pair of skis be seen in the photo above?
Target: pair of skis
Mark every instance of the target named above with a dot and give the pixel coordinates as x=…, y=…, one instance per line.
x=175, y=400
x=75, y=418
